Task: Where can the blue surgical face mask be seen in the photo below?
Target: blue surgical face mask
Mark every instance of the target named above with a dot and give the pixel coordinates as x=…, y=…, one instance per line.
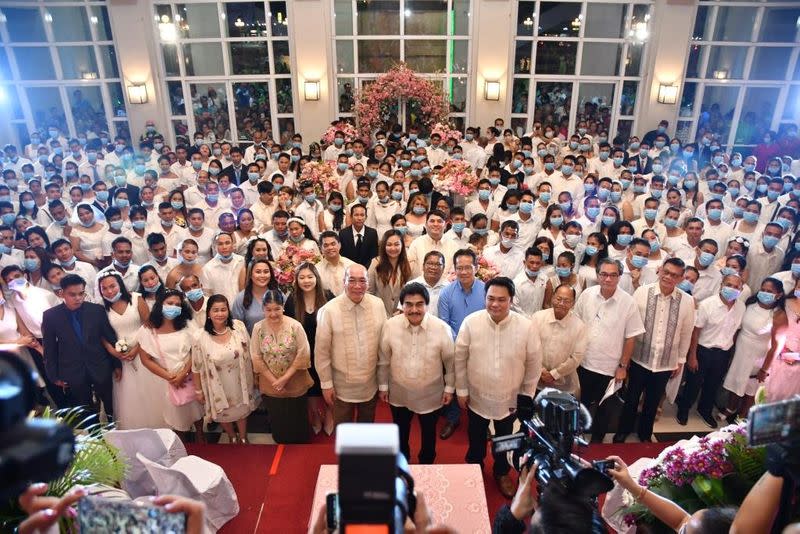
x=459, y=227
x=715, y=214
x=31, y=264
x=138, y=225
x=686, y=285
x=705, y=259
x=734, y=192
x=725, y=271
x=624, y=239
x=176, y=204
x=545, y=196
x=212, y=197
x=397, y=195
x=657, y=168
x=565, y=206
x=765, y=297
x=650, y=213
x=592, y=212
x=616, y=196
x=795, y=268
x=102, y=196
x=419, y=210
x=638, y=262
x=608, y=220
x=549, y=166
x=115, y=225
x=729, y=294
x=342, y=166
x=656, y=193
x=484, y=194
x=556, y=221
x=563, y=272
x=769, y=241
x=671, y=223
x=171, y=312
x=194, y=294
x=526, y=207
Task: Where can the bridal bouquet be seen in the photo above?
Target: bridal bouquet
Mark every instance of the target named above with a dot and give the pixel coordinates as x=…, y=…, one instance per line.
x=321, y=174
x=458, y=177
x=287, y=262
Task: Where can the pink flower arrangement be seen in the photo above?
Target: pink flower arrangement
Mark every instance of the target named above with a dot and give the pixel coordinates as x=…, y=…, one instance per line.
x=486, y=270
x=427, y=102
x=444, y=130
x=321, y=174
x=350, y=132
x=458, y=177
x=287, y=262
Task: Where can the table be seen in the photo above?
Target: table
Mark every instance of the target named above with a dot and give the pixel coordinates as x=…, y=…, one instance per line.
x=454, y=494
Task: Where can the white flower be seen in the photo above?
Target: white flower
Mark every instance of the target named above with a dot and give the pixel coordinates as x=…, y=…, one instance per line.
x=122, y=345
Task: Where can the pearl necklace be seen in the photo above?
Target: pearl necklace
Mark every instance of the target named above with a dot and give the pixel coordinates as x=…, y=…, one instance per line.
x=221, y=333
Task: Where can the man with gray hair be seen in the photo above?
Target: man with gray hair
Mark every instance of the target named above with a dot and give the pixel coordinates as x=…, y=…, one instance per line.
x=349, y=330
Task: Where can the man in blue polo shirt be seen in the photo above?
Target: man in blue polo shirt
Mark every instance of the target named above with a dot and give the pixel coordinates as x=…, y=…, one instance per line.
x=465, y=295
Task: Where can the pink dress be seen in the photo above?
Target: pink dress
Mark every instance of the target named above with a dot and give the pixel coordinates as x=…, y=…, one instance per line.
x=783, y=381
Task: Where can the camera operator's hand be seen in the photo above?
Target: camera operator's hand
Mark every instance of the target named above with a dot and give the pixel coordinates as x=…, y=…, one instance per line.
x=524, y=502
x=463, y=402
x=194, y=510
x=45, y=511
x=329, y=395
x=620, y=473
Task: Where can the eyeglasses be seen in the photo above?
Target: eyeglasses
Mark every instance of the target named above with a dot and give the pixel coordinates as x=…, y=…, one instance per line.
x=357, y=281
x=608, y=275
x=559, y=300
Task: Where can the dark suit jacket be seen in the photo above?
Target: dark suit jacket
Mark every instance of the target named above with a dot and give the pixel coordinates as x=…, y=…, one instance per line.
x=647, y=168
x=231, y=173
x=133, y=193
x=369, y=246
x=71, y=359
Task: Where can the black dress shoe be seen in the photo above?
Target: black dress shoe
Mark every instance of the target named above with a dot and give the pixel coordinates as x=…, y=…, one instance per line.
x=448, y=430
x=708, y=419
x=647, y=439
x=619, y=438
x=682, y=419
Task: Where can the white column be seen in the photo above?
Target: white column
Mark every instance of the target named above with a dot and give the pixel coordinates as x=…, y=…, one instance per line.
x=492, y=46
x=670, y=30
x=312, y=53
x=137, y=49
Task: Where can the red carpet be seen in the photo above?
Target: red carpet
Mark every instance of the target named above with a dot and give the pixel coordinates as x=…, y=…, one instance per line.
x=282, y=479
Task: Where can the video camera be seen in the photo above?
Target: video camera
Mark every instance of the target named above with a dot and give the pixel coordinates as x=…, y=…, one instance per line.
x=551, y=426
x=31, y=450
x=376, y=491
x=775, y=422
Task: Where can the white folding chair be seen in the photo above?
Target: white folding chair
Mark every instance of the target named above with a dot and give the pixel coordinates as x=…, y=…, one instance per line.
x=161, y=445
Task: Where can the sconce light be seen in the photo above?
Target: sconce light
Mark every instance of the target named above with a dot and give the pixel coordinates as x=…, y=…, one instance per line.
x=721, y=74
x=311, y=89
x=491, y=91
x=137, y=93
x=667, y=94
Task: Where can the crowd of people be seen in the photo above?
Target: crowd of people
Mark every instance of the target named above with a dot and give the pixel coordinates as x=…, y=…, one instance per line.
x=146, y=278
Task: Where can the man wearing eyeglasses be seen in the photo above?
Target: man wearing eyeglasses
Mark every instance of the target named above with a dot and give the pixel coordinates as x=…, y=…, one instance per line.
x=75, y=335
x=660, y=352
x=346, y=349
x=613, y=322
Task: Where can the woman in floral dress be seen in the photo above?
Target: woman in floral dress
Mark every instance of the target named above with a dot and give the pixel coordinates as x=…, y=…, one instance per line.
x=223, y=370
x=281, y=358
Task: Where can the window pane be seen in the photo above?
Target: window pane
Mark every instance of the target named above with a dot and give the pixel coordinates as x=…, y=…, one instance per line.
x=426, y=56
x=99, y=19
x=180, y=127
x=203, y=59
x=345, y=94
x=425, y=17
x=379, y=17
x=701, y=24
x=693, y=64
x=559, y=19
x=553, y=100
x=122, y=129
x=377, y=56
x=5, y=67
x=624, y=128
x=604, y=20
x=246, y=19
x=197, y=20
x=717, y=109
x=278, y=18
x=792, y=106
x=687, y=100
x=171, y=64
x=770, y=63
x=600, y=96
x=627, y=102
x=10, y=92
x=756, y=117
x=343, y=16
x=683, y=131
x=779, y=25
x=522, y=57
x=734, y=24
x=726, y=62
x=601, y=59
x=461, y=14
x=210, y=108
x=249, y=58
x=252, y=107
x=78, y=62
x=286, y=127
x=46, y=107
x=634, y=60
x=117, y=99
x=457, y=91
x=526, y=14
x=176, y=101
x=108, y=56
x=344, y=57
x=24, y=25
x=280, y=53
x=519, y=95
x=69, y=24
x=34, y=63
x=88, y=111
x=556, y=57
x=460, y=56
x=283, y=90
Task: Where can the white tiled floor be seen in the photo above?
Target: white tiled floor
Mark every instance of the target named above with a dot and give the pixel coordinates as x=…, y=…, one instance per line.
x=666, y=423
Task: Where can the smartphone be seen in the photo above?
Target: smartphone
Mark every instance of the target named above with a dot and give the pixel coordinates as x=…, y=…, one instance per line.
x=774, y=422
x=603, y=465
x=98, y=515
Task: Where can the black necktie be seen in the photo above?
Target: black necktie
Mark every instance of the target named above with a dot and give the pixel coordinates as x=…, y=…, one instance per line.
x=358, y=242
